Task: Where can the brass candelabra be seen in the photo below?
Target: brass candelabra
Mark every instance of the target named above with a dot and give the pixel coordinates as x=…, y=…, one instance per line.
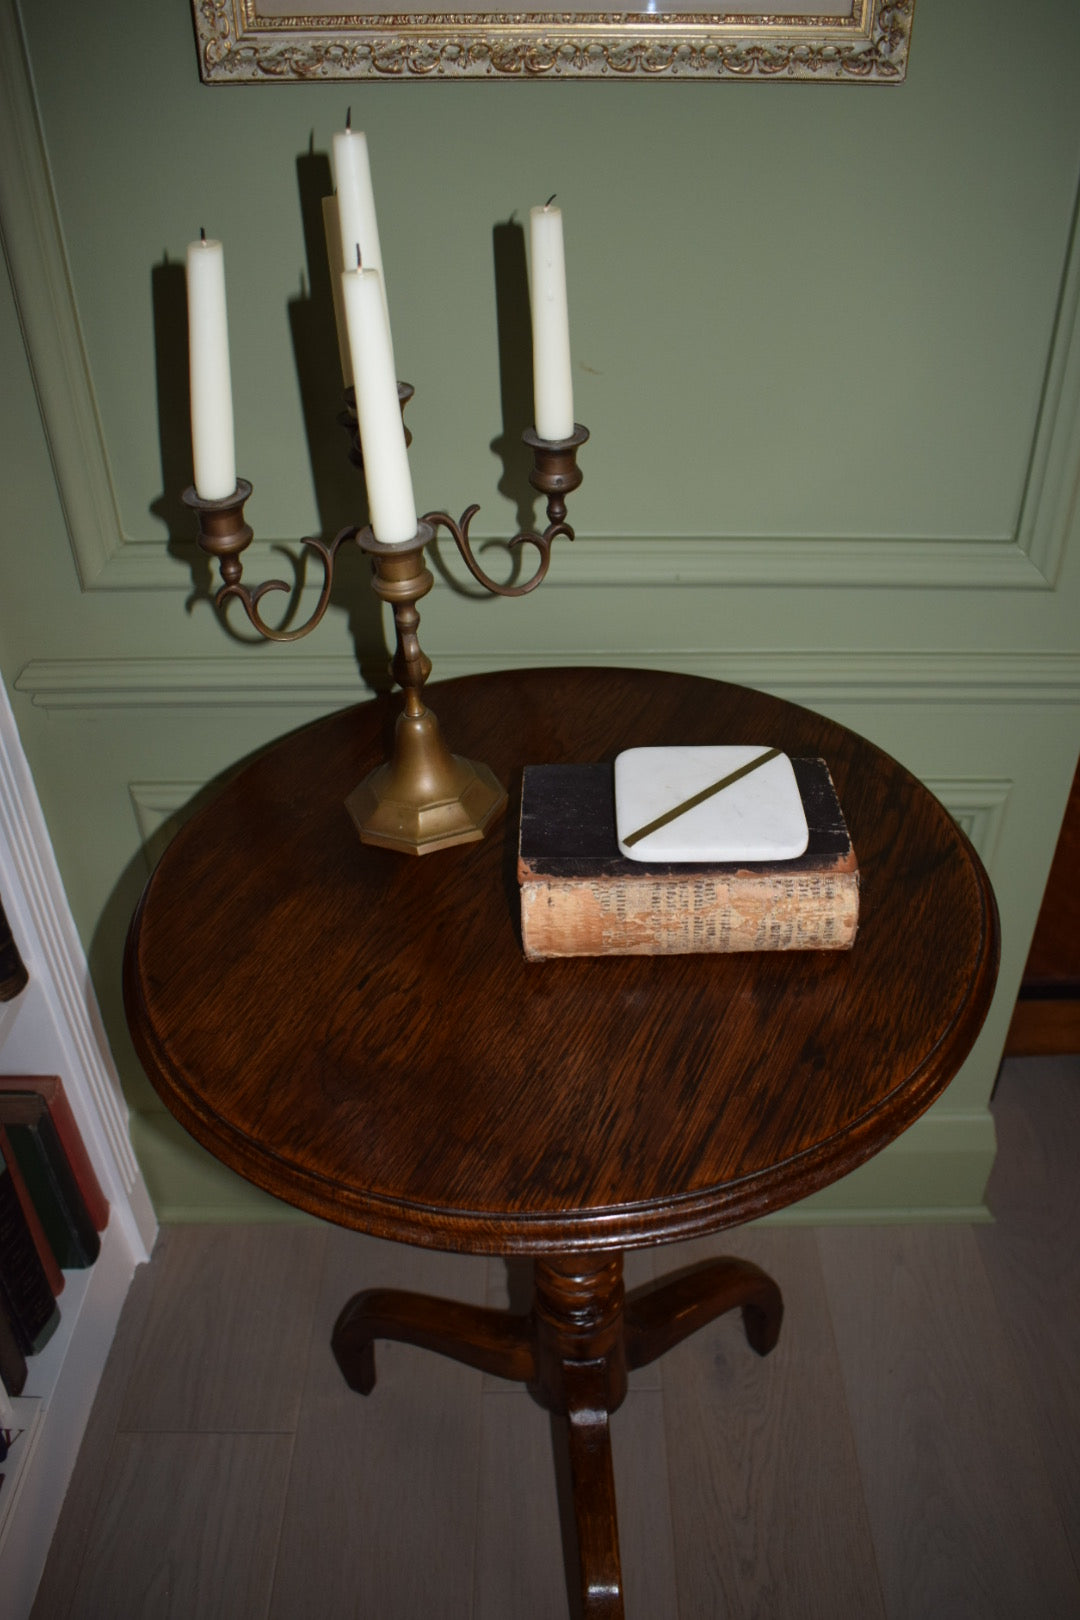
x=423, y=797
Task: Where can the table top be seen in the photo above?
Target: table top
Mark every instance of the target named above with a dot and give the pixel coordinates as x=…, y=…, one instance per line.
x=358, y=1032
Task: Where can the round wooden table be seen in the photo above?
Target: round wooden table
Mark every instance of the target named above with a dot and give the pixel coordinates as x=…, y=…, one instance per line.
x=358, y=1032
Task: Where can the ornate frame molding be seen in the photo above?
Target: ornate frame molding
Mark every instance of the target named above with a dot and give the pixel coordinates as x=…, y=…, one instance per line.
x=245, y=42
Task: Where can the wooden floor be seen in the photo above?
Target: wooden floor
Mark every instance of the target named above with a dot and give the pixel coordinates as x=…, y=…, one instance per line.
x=911, y=1449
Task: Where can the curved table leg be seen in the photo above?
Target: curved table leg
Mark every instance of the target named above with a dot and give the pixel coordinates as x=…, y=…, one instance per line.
x=659, y=1318
x=493, y=1341
x=573, y=1350
x=592, y=1479
x=581, y=1375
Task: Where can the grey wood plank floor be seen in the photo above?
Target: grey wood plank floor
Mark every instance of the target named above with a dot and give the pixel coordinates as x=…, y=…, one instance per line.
x=911, y=1449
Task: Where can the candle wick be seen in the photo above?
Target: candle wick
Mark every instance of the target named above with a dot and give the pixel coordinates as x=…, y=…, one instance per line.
x=359, y=260
x=348, y=119
x=551, y=199
x=202, y=233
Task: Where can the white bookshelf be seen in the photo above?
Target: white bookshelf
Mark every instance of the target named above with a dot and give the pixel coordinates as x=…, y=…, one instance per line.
x=54, y=1027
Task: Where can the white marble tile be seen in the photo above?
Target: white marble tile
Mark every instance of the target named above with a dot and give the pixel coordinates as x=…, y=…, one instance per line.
x=758, y=817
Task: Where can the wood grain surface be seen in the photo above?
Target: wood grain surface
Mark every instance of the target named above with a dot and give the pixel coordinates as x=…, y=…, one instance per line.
x=358, y=1032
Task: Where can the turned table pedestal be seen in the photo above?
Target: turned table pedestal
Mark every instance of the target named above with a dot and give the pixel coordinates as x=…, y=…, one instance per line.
x=357, y=1031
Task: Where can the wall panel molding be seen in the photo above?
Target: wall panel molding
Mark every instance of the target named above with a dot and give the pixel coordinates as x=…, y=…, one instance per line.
x=154, y=804
x=978, y=805
x=108, y=559
x=287, y=680
x=37, y=264
x=1053, y=482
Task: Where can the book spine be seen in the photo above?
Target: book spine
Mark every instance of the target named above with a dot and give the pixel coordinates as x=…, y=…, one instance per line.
x=52, y=1089
x=23, y=1283
x=30, y=1214
x=71, y=1141
x=671, y=917
x=71, y=1233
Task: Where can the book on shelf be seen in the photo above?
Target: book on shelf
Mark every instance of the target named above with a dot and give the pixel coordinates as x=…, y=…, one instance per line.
x=26, y=1296
x=51, y=1088
x=33, y=1220
x=50, y=1177
x=581, y=897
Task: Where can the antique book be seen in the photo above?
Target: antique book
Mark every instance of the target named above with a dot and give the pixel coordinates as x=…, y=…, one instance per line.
x=48, y=1174
x=51, y=1088
x=581, y=897
x=27, y=1298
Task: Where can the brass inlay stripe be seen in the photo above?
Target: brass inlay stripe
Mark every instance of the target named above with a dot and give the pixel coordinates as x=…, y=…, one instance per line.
x=699, y=798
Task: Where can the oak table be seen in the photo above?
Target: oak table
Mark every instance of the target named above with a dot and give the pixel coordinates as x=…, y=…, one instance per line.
x=357, y=1031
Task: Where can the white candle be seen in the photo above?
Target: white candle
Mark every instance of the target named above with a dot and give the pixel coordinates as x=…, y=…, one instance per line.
x=356, y=201
x=332, y=227
x=357, y=223
x=553, y=389
x=211, y=388
x=382, y=435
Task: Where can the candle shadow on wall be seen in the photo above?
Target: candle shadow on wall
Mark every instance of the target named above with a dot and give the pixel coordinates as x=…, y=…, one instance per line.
x=339, y=486
x=168, y=291
x=514, y=325
x=514, y=332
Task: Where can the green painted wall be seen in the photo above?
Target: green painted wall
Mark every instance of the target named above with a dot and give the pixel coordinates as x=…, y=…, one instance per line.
x=826, y=341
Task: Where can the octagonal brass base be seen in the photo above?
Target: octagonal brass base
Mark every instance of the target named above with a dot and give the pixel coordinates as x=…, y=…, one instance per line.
x=425, y=798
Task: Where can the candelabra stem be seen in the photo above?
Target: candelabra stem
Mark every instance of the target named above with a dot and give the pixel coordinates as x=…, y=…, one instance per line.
x=424, y=798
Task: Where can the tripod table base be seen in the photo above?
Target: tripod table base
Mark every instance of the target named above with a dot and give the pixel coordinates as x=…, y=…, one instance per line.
x=573, y=1349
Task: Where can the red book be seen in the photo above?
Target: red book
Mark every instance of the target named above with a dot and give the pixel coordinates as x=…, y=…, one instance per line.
x=37, y=1231
x=51, y=1088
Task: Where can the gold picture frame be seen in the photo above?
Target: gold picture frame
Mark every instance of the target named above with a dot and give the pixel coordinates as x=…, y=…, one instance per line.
x=307, y=41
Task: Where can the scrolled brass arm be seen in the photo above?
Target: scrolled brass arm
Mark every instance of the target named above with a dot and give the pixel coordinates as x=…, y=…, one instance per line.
x=555, y=475
x=224, y=535
x=459, y=530
x=250, y=599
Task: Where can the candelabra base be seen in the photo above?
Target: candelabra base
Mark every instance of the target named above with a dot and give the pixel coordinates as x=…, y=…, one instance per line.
x=425, y=798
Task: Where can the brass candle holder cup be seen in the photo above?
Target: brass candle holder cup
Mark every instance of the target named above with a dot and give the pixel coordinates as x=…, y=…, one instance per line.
x=424, y=797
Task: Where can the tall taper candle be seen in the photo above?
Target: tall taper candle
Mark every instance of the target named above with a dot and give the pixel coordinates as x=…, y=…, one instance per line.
x=382, y=434
x=356, y=208
x=553, y=389
x=211, y=387
x=356, y=201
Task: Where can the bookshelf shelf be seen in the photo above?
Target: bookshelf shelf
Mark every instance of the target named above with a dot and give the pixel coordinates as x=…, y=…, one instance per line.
x=44, y=1370
x=53, y=1028
x=25, y=1425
